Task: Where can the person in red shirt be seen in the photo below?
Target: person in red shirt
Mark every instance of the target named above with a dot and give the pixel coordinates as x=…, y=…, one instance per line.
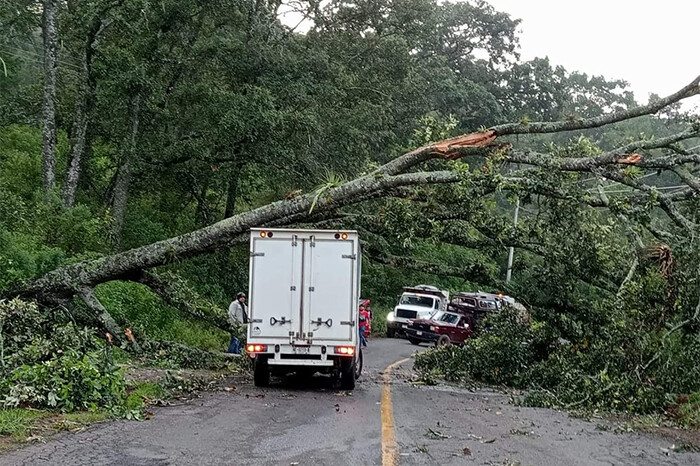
x=364, y=325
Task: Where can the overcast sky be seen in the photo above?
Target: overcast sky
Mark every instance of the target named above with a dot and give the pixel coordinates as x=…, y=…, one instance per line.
x=653, y=45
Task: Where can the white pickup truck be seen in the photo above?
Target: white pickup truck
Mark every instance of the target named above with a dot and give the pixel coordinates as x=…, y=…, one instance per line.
x=303, y=313
x=416, y=302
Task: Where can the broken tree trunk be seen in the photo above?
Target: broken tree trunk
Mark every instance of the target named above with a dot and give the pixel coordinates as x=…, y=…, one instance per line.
x=63, y=282
x=126, y=265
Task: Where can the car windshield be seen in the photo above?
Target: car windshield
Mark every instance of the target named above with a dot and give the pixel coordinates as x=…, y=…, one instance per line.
x=449, y=318
x=413, y=300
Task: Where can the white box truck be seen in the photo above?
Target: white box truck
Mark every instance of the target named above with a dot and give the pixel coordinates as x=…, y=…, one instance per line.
x=303, y=313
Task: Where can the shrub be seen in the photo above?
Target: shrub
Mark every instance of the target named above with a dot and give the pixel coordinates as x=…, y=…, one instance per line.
x=68, y=381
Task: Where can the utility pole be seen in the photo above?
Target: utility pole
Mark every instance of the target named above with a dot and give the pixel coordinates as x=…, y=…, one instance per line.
x=510, y=250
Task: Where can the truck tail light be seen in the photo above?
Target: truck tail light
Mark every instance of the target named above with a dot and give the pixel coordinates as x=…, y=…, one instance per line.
x=342, y=236
x=256, y=348
x=345, y=350
x=434, y=329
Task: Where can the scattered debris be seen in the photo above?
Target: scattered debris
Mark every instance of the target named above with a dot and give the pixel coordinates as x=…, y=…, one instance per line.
x=337, y=408
x=422, y=449
x=435, y=435
x=474, y=437
x=521, y=432
x=230, y=389
x=467, y=451
x=491, y=440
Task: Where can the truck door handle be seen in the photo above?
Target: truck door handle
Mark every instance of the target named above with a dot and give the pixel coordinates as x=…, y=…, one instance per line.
x=351, y=323
x=328, y=322
x=281, y=321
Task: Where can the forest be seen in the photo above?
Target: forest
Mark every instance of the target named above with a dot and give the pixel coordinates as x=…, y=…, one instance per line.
x=140, y=140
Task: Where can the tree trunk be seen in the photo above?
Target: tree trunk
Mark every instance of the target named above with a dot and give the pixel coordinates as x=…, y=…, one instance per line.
x=121, y=186
x=127, y=265
x=78, y=147
x=82, y=109
x=50, y=34
x=201, y=215
x=232, y=193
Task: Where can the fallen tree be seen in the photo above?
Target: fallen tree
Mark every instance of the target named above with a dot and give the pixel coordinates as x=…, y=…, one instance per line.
x=62, y=284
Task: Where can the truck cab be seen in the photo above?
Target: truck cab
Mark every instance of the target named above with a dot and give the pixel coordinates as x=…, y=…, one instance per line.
x=303, y=313
x=417, y=302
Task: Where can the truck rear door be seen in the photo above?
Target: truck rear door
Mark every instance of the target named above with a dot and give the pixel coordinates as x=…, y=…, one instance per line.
x=330, y=283
x=275, y=270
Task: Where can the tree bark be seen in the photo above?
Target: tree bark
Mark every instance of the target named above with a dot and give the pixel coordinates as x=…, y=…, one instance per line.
x=82, y=110
x=100, y=314
x=123, y=181
x=50, y=33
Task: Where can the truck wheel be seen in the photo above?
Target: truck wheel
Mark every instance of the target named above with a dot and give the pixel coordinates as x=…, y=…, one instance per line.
x=414, y=341
x=390, y=332
x=261, y=372
x=444, y=340
x=359, y=364
x=347, y=374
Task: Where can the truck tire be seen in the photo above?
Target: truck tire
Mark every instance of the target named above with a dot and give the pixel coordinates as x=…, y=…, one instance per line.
x=261, y=372
x=444, y=340
x=359, y=364
x=347, y=374
x=414, y=341
x=390, y=332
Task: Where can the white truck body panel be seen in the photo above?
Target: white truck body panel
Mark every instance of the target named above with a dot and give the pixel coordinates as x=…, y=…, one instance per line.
x=303, y=293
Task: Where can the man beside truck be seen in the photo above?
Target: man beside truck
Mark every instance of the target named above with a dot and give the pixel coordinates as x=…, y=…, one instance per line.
x=237, y=317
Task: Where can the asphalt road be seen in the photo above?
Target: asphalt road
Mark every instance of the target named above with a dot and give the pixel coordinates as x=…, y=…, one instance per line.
x=310, y=423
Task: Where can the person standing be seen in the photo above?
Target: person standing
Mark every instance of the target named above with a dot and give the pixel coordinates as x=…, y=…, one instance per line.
x=364, y=323
x=237, y=317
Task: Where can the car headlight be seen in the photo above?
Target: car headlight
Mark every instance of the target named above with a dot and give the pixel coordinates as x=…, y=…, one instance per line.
x=390, y=317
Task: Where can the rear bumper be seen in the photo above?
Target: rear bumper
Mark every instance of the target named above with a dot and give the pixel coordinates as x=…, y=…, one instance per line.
x=424, y=335
x=301, y=362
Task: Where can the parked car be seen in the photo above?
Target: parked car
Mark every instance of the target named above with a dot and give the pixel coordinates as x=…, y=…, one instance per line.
x=416, y=302
x=444, y=328
x=475, y=306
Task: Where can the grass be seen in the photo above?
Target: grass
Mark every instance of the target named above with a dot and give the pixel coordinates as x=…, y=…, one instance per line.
x=143, y=393
x=78, y=420
x=149, y=391
x=689, y=412
x=18, y=422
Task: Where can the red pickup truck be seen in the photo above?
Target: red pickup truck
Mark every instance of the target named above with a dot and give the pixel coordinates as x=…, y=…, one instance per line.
x=443, y=328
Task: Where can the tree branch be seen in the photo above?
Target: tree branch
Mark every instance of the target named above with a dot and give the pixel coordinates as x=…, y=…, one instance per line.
x=571, y=125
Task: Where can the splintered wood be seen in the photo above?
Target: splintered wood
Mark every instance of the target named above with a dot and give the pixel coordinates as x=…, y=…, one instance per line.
x=448, y=147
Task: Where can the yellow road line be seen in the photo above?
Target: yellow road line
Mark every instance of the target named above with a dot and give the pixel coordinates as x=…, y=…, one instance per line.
x=389, y=450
